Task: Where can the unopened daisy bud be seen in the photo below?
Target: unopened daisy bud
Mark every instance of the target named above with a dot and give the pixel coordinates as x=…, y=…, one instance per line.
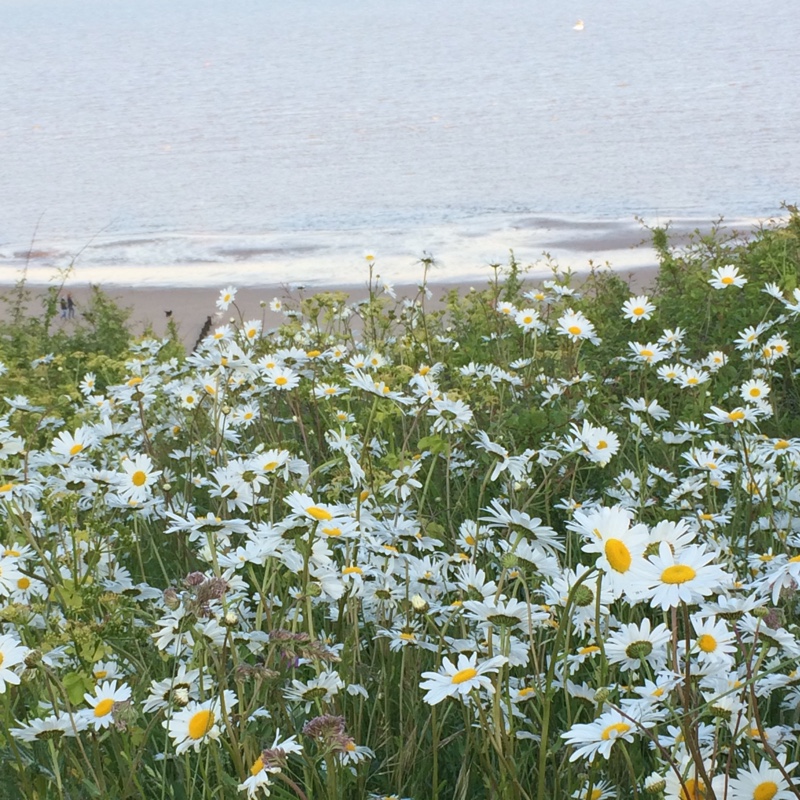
x=313, y=590
x=509, y=560
x=601, y=695
x=137, y=396
x=760, y=612
x=33, y=658
x=263, y=304
x=627, y=483
x=226, y=410
x=230, y=620
x=584, y=596
x=419, y=603
x=167, y=487
x=654, y=783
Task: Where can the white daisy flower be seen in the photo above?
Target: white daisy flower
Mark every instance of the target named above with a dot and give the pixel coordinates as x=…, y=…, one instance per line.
x=102, y=702
x=638, y=308
x=226, y=297
x=198, y=723
x=669, y=579
x=723, y=277
x=459, y=679
x=762, y=783
x=12, y=654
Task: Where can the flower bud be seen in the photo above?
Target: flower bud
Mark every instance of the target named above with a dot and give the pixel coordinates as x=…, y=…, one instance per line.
x=420, y=604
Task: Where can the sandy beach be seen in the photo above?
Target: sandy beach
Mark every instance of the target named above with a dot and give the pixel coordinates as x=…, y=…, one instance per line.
x=153, y=307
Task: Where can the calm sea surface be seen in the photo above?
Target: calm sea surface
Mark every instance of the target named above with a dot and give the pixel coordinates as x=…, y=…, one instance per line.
x=199, y=141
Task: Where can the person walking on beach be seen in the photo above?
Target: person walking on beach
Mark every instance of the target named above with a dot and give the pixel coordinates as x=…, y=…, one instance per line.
x=63, y=308
x=70, y=306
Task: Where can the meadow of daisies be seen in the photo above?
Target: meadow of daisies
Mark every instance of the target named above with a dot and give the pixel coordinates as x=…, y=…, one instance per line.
x=542, y=541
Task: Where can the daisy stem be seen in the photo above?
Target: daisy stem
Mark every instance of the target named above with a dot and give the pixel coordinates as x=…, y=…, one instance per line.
x=542, y=789
x=56, y=769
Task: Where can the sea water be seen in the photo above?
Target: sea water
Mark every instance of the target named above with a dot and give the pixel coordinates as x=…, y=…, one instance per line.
x=261, y=141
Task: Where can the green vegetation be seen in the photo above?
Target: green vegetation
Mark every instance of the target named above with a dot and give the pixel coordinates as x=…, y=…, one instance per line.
x=541, y=542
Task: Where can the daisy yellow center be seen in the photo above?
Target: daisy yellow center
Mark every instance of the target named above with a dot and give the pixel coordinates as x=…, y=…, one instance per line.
x=765, y=790
x=226, y=298
x=270, y=465
x=645, y=353
x=727, y=280
x=251, y=333
x=281, y=381
x=588, y=650
x=134, y=381
x=658, y=692
x=424, y=371
x=332, y=531
x=596, y=794
x=407, y=637
x=692, y=381
x=313, y=353
x=75, y=449
x=12, y=553
x=679, y=573
x=330, y=390
x=2, y=659
x=574, y=330
x=602, y=444
x=755, y=392
x=210, y=389
x=781, y=444
x=352, y=571
x=706, y=517
x=104, y=707
x=23, y=583
x=138, y=478
x=525, y=691
x=100, y=674
x=363, y=495
x=258, y=765
x=612, y=731
x=527, y=320
x=638, y=311
x=464, y=675
x=200, y=724
x=695, y=790
x=707, y=643
x=319, y=513
x=618, y=555
x=735, y=416
x=794, y=559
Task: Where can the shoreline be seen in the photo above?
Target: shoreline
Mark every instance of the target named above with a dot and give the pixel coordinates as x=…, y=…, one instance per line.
x=462, y=252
